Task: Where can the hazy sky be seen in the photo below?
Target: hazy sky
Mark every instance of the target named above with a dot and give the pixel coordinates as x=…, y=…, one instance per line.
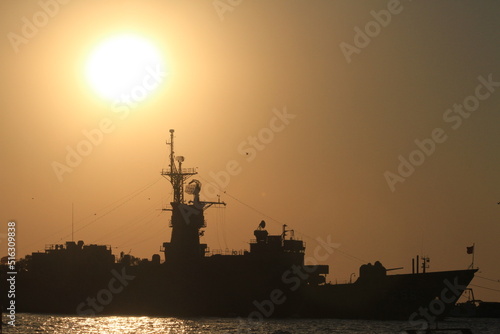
x=326, y=97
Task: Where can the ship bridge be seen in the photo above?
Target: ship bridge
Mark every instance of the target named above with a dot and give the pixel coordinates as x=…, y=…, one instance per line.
x=280, y=245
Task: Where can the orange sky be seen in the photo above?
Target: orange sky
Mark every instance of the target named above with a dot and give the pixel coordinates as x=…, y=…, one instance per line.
x=355, y=104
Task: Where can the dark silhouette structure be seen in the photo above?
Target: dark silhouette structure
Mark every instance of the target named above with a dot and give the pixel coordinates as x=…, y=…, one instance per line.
x=475, y=308
x=268, y=280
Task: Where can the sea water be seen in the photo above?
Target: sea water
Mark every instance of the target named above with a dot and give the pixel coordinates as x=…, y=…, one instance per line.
x=37, y=323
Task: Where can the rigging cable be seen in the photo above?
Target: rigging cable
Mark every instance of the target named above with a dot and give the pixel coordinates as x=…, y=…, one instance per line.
x=142, y=189
x=154, y=235
x=483, y=287
x=488, y=279
x=129, y=226
x=115, y=208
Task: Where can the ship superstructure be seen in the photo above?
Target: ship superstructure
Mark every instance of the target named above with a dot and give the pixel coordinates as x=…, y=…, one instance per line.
x=187, y=218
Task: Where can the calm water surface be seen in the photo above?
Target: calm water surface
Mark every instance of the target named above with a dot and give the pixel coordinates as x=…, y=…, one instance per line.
x=36, y=323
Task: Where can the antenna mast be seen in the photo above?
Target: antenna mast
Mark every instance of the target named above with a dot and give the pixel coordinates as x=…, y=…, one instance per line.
x=187, y=218
x=72, y=222
x=176, y=174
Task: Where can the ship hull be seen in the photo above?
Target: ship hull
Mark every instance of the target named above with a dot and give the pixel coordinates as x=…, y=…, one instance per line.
x=238, y=286
x=403, y=297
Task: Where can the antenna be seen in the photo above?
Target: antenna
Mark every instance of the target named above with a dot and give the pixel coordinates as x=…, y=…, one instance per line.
x=72, y=222
x=172, y=165
x=262, y=225
x=176, y=174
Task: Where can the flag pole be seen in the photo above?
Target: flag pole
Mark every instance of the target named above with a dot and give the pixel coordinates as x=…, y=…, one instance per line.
x=73, y=223
x=473, y=252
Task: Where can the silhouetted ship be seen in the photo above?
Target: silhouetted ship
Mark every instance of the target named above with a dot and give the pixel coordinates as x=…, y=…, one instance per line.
x=269, y=280
x=475, y=308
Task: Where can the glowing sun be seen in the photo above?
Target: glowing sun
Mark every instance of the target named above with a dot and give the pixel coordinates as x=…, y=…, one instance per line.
x=125, y=65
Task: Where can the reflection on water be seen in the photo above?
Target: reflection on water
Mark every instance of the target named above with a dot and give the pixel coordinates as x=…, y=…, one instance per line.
x=104, y=325
x=111, y=325
x=52, y=324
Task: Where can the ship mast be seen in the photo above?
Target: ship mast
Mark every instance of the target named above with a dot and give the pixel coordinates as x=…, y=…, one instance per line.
x=176, y=174
x=187, y=218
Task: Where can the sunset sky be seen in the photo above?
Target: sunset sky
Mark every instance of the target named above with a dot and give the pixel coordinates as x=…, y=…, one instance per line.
x=317, y=108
